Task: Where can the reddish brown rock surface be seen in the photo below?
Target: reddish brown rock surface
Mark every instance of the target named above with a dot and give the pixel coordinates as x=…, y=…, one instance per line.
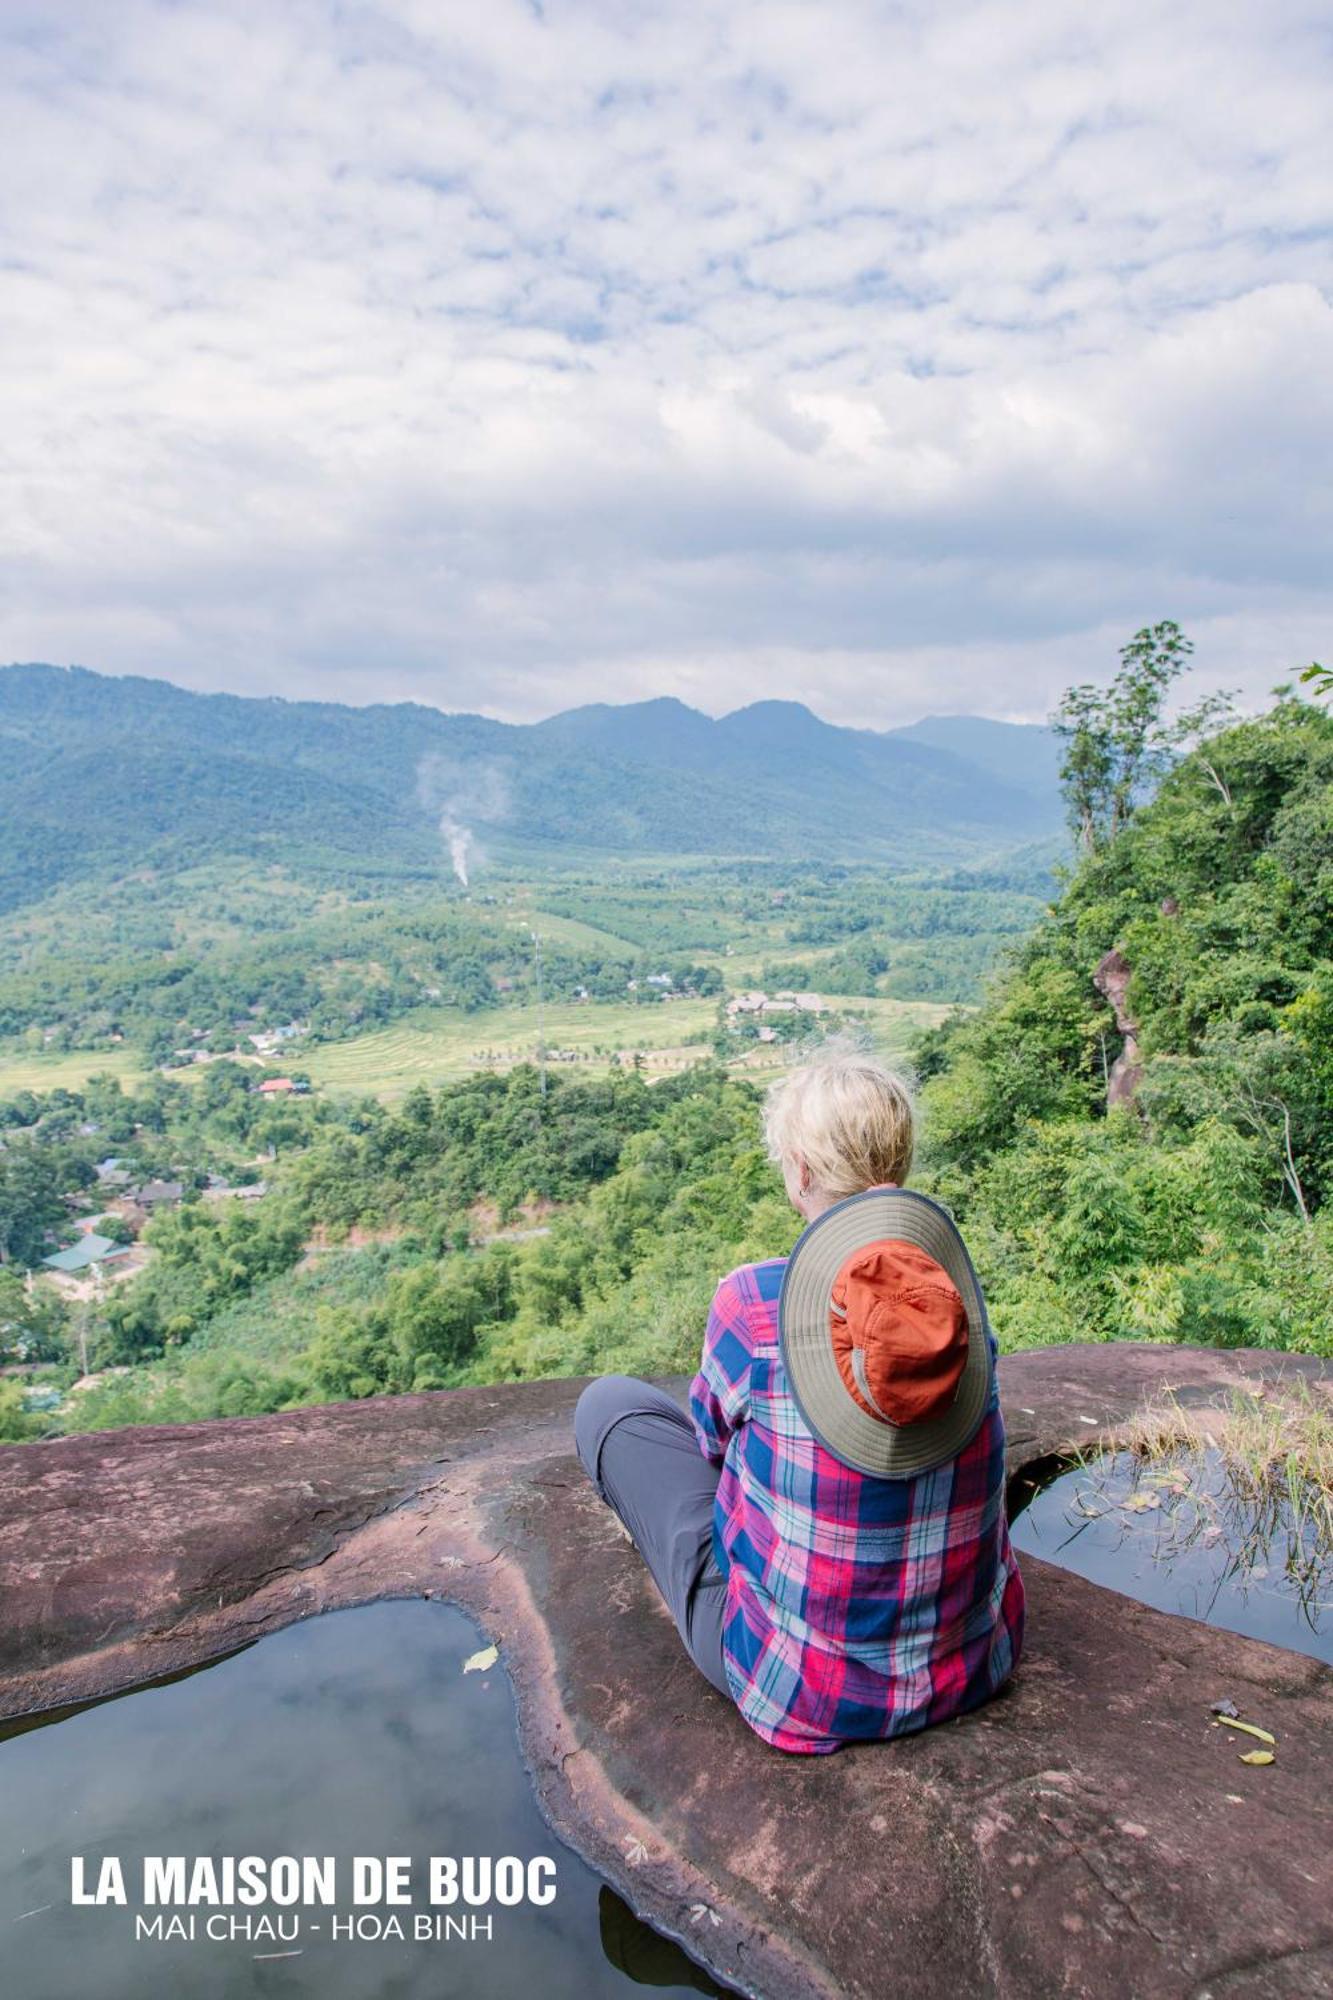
x=1088, y=1834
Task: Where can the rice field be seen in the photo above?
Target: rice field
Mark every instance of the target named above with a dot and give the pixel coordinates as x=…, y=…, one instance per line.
x=895, y=1024
x=431, y=1046
x=70, y=1069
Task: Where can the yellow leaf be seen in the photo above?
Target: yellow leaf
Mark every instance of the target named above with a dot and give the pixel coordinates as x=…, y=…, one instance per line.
x=1250, y=1728
x=479, y=1662
x=1256, y=1757
x=1141, y=1502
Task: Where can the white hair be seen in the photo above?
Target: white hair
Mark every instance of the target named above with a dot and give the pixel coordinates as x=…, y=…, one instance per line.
x=847, y=1115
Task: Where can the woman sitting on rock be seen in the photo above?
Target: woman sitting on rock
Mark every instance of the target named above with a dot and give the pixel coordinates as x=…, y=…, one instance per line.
x=827, y=1525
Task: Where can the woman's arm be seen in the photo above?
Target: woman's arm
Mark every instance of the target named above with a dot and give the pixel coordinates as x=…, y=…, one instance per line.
x=720, y=1392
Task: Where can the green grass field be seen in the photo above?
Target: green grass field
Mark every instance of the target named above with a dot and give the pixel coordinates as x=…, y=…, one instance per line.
x=895, y=1024
x=69, y=1070
x=568, y=932
x=434, y=1044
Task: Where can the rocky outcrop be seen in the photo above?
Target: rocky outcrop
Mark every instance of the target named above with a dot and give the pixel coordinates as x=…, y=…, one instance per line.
x=1112, y=979
x=1090, y=1833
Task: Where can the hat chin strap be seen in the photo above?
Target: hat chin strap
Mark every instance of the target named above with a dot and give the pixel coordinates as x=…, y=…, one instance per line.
x=863, y=1384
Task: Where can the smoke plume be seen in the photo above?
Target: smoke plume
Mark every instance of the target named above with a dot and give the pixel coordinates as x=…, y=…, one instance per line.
x=459, y=841
x=461, y=799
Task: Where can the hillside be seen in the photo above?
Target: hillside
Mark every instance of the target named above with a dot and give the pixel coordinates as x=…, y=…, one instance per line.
x=99, y=774
x=1198, y=1206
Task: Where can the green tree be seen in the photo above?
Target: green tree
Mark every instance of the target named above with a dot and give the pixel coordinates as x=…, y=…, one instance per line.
x=115, y=1229
x=15, y=1423
x=1115, y=741
x=31, y=1322
x=33, y=1178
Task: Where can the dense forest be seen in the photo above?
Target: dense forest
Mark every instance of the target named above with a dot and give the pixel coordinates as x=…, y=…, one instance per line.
x=1198, y=1209
x=234, y=1314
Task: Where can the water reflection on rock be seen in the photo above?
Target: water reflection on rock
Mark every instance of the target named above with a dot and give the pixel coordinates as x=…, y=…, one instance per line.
x=1185, y=1535
x=357, y=1733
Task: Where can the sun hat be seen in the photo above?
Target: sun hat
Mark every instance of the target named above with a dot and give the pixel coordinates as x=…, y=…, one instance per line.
x=883, y=1333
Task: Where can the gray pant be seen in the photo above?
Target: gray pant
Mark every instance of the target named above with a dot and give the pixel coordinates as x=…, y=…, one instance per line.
x=640, y=1452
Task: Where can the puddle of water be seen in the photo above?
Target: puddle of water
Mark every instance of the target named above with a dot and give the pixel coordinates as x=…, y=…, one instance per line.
x=1176, y=1534
x=355, y=1733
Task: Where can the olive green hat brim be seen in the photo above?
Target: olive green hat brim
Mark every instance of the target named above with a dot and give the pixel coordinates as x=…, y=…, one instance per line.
x=885, y=1451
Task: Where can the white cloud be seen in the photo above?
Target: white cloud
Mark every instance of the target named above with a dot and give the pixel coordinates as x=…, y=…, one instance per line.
x=897, y=358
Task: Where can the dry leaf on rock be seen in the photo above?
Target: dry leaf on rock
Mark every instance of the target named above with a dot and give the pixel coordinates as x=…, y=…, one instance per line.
x=1250, y=1729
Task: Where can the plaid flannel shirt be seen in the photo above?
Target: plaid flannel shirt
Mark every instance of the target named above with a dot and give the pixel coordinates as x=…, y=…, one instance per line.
x=856, y=1607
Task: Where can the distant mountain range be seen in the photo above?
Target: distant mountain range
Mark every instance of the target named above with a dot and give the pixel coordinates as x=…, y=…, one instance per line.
x=101, y=773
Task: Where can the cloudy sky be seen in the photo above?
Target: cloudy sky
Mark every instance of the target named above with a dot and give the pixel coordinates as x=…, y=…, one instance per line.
x=505, y=356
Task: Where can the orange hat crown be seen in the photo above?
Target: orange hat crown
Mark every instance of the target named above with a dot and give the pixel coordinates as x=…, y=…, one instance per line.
x=899, y=1331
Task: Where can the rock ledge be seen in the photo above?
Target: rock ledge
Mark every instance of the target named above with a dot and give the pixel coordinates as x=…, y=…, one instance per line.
x=1087, y=1834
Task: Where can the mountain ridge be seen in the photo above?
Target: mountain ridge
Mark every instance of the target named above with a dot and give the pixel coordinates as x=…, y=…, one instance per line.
x=265, y=776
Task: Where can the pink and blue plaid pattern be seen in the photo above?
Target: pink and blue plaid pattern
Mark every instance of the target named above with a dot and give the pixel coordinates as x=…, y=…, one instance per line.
x=856, y=1607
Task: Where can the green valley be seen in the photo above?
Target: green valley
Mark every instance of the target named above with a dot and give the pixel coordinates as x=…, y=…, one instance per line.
x=339, y=1133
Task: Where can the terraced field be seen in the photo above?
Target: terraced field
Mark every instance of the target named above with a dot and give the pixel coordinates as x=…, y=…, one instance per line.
x=432, y=1046
x=435, y=1044
x=895, y=1024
